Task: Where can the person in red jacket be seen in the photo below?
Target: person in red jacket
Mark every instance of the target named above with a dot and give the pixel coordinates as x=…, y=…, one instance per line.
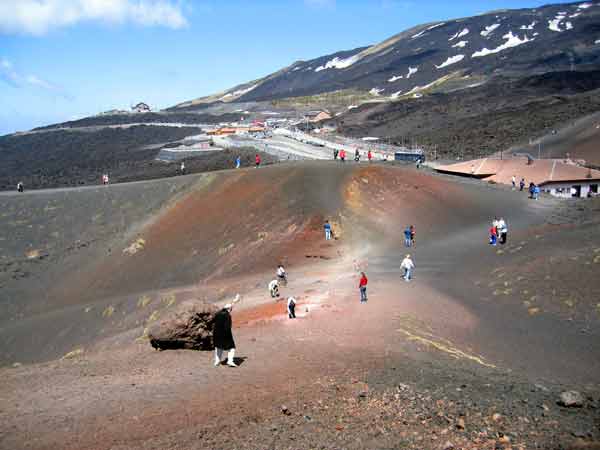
x=343, y=155
x=362, y=286
x=257, y=160
x=369, y=155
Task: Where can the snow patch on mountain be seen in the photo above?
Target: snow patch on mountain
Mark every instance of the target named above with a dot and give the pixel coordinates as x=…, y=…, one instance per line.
x=584, y=5
x=412, y=71
x=569, y=25
x=337, y=63
x=395, y=78
x=511, y=41
x=572, y=16
x=396, y=94
x=451, y=60
x=376, y=91
x=489, y=30
x=554, y=24
x=597, y=41
x=460, y=34
x=418, y=35
x=460, y=44
x=530, y=26
x=238, y=93
x=352, y=107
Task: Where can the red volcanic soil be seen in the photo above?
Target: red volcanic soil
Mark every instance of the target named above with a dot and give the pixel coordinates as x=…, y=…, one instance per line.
x=456, y=358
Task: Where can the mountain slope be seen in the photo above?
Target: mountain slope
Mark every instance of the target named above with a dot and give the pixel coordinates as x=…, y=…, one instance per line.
x=510, y=42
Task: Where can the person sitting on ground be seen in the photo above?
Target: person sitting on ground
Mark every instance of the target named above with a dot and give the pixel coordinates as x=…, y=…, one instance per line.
x=408, y=265
x=362, y=286
x=222, y=336
x=291, y=307
x=407, y=236
x=274, y=288
x=281, y=274
x=19, y=187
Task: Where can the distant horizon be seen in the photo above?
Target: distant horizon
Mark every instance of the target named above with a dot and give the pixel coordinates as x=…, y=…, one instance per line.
x=62, y=61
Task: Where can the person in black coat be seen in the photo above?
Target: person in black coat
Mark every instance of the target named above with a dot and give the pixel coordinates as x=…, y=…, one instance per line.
x=222, y=336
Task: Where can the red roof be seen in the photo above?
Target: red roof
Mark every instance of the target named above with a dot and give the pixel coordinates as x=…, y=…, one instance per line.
x=539, y=171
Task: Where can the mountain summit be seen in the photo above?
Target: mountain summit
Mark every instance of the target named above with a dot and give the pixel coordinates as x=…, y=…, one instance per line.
x=454, y=53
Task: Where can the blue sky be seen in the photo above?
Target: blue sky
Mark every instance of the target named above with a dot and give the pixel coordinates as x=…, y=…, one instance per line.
x=65, y=59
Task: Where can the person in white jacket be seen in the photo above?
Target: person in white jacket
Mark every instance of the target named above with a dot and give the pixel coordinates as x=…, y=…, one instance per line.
x=408, y=266
x=274, y=288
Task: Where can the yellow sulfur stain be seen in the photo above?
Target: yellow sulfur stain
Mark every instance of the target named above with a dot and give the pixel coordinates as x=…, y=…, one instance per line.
x=455, y=352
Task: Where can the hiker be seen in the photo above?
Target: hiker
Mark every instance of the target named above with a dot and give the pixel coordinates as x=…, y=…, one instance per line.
x=335, y=154
x=357, y=156
x=328, y=233
x=418, y=163
x=222, y=337
x=369, y=155
x=105, y=179
x=502, y=230
x=281, y=274
x=531, y=186
x=343, y=155
x=257, y=160
x=493, y=235
x=19, y=187
x=362, y=287
x=514, y=182
x=407, y=235
x=238, y=162
x=408, y=265
x=291, y=307
x=412, y=235
x=274, y=288
x=182, y=168
x=536, y=191
x=522, y=184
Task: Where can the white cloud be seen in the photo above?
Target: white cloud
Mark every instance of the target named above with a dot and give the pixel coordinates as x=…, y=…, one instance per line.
x=39, y=16
x=16, y=79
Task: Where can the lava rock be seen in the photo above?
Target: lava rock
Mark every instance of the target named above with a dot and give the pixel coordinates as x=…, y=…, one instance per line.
x=571, y=399
x=189, y=328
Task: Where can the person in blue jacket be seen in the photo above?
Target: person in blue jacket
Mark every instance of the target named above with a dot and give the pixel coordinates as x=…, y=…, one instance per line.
x=327, y=227
x=407, y=237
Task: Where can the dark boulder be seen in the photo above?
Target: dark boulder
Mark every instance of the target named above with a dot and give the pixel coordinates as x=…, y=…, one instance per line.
x=189, y=328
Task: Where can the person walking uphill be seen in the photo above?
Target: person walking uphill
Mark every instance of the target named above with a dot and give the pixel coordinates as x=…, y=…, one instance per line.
x=362, y=286
x=407, y=237
x=222, y=336
x=327, y=228
x=408, y=265
x=291, y=307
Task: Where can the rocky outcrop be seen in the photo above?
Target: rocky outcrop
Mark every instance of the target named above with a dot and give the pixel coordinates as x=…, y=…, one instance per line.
x=189, y=328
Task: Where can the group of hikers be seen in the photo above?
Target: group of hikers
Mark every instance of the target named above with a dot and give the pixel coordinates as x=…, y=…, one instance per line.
x=498, y=231
x=534, y=189
x=409, y=236
x=342, y=155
